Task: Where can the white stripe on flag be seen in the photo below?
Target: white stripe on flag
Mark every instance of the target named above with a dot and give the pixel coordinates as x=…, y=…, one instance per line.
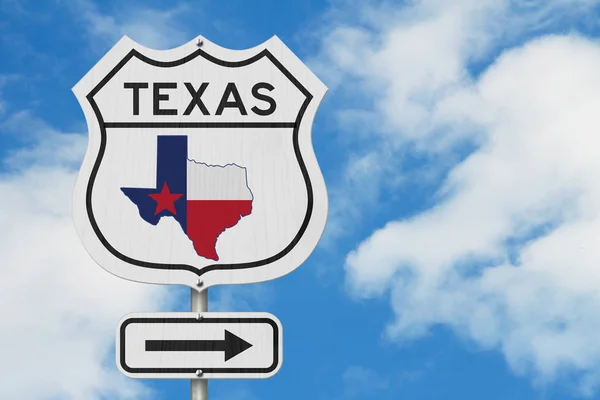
x=215, y=182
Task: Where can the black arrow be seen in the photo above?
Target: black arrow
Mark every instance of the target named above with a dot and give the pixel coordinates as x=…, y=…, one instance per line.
x=232, y=345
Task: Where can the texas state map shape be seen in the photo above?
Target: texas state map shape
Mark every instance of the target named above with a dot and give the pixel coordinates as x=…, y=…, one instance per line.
x=204, y=199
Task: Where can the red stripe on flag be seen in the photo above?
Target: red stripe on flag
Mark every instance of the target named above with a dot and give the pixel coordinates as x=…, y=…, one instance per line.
x=207, y=219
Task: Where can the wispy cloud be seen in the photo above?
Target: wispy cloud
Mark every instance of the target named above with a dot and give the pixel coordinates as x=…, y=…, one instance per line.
x=361, y=382
x=151, y=27
x=391, y=65
x=5, y=79
x=507, y=256
x=41, y=144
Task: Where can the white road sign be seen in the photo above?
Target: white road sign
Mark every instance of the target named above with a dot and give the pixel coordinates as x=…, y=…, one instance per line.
x=200, y=168
x=180, y=345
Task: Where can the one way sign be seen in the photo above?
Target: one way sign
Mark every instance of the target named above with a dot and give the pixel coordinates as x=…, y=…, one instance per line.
x=206, y=345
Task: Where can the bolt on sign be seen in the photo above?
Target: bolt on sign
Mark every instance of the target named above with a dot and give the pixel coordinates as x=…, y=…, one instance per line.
x=199, y=171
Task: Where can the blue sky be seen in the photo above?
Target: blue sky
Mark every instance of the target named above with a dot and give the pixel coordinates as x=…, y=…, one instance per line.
x=458, y=142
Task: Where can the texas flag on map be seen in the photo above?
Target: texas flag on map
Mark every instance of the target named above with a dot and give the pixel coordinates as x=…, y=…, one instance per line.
x=204, y=199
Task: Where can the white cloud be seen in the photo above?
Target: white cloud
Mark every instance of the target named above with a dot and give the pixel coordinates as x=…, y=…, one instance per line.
x=60, y=309
x=5, y=79
x=151, y=27
x=509, y=256
x=42, y=145
x=361, y=382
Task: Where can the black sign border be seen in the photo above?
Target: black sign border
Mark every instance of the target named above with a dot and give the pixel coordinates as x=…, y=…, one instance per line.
x=230, y=64
x=192, y=320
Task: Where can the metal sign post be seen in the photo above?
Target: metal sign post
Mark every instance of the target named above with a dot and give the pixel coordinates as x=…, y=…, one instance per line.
x=199, y=171
x=199, y=304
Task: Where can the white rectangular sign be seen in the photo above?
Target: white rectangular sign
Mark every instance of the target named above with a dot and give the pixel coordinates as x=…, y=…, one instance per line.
x=205, y=345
